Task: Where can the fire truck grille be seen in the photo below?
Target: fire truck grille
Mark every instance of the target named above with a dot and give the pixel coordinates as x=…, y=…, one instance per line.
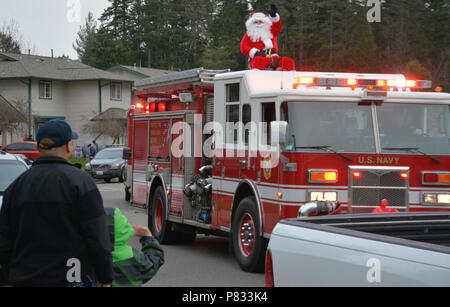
x=368, y=186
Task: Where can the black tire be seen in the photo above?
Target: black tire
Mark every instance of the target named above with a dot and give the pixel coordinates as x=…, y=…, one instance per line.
x=122, y=175
x=127, y=194
x=251, y=258
x=159, y=226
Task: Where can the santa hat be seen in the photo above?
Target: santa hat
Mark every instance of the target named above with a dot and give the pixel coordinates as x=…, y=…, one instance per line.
x=257, y=16
x=261, y=16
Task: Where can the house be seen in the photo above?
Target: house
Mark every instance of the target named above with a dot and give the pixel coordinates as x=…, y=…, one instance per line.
x=137, y=73
x=51, y=88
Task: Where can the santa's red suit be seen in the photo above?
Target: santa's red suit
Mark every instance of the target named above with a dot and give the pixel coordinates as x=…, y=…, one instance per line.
x=261, y=37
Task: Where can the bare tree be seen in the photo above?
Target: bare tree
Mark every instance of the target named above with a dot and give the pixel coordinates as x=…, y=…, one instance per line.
x=12, y=41
x=10, y=37
x=111, y=123
x=13, y=116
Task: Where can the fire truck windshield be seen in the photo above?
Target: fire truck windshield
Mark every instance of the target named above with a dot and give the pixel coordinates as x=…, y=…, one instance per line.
x=424, y=127
x=342, y=126
x=348, y=127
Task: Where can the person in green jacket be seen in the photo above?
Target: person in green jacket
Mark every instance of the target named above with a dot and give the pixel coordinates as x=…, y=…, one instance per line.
x=132, y=268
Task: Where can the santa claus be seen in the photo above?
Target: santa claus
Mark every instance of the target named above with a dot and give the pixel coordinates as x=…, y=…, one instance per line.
x=260, y=42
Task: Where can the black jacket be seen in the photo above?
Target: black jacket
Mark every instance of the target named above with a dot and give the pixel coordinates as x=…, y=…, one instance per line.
x=51, y=214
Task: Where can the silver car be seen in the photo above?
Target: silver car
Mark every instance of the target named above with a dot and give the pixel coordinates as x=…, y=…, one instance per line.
x=108, y=164
x=11, y=167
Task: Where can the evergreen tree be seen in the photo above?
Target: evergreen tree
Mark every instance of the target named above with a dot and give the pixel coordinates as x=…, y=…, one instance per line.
x=413, y=36
x=226, y=32
x=10, y=38
x=86, y=40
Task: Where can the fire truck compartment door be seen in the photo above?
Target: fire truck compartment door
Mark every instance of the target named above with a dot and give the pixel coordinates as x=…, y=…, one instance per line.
x=140, y=150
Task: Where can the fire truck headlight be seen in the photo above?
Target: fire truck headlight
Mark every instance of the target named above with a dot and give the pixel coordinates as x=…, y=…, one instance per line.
x=322, y=196
x=436, y=198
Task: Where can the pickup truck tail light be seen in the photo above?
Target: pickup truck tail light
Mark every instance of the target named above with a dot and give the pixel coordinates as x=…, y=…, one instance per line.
x=269, y=270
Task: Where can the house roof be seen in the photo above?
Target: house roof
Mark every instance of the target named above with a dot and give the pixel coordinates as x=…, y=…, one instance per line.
x=111, y=114
x=20, y=66
x=143, y=72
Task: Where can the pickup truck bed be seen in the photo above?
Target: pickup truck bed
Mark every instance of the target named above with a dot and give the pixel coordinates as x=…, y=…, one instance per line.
x=400, y=249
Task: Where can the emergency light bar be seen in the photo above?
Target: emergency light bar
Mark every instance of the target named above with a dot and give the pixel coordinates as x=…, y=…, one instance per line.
x=150, y=107
x=370, y=84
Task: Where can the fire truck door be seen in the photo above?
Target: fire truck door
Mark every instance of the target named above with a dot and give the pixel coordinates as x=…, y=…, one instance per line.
x=268, y=167
x=229, y=164
x=249, y=163
x=178, y=174
x=139, y=180
x=159, y=159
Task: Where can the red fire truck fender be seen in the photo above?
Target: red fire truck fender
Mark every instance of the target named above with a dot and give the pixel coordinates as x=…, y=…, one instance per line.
x=157, y=180
x=244, y=189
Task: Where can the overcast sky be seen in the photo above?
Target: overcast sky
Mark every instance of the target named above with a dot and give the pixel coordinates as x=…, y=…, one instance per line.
x=50, y=24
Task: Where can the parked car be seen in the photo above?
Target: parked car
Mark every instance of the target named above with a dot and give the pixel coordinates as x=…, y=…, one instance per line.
x=11, y=167
x=384, y=249
x=108, y=164
x=25, y=159
x=28, y=149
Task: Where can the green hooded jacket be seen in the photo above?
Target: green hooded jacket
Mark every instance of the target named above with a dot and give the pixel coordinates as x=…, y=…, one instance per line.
x=131, y=268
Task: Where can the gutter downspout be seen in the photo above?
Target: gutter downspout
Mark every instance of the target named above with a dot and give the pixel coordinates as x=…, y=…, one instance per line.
x=30, y=108
x=99, y=96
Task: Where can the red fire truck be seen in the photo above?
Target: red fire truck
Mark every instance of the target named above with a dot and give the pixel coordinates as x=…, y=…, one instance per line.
x=233, y=153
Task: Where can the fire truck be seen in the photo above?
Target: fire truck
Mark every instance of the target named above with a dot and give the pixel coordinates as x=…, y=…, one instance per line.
x=233, y=153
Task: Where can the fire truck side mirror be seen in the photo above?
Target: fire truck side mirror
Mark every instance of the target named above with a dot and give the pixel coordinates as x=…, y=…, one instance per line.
x=126, y=155
x=280, y=133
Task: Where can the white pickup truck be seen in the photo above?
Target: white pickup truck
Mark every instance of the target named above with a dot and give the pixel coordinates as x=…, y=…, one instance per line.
x=388, y=249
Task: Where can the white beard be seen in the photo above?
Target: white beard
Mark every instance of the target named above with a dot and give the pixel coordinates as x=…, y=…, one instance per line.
x=260, y=32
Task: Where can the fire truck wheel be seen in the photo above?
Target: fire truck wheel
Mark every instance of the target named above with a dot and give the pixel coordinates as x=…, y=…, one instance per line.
x=159, y=226
x=249, y=247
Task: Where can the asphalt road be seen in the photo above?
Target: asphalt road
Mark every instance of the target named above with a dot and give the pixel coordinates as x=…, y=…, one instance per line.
x=204, y=264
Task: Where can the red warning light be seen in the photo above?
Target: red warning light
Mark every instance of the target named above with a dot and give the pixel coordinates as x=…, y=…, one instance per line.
x=161, y=107
x=357, y=174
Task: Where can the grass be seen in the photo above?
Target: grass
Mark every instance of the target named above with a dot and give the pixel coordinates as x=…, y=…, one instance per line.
x=82, y=161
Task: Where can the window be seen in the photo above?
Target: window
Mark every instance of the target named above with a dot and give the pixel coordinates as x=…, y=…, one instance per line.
x=231, y=121
x=268, y=115
x=160, y=139
x=341, y=126
x=116, y=91
x=246, y=118
x=45, y=89
x=232, y=110
x=232, y=92
x=422, y=126
x=21, y=147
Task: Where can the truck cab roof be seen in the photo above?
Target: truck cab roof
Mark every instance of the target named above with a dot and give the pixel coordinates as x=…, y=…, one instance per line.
x=320, y=85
